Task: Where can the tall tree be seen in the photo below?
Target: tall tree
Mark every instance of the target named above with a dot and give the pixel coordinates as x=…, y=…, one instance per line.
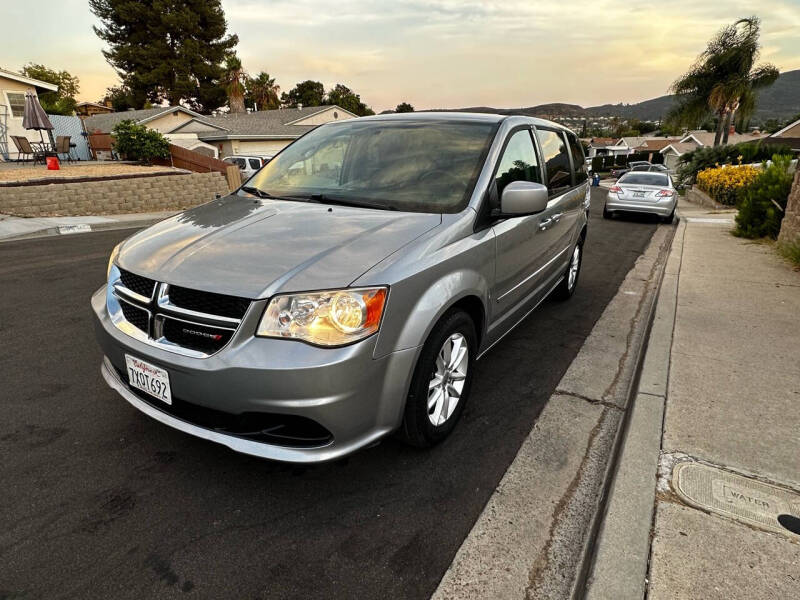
x=235, y=79
x=724, y=79
x=62, y=101
x=262, y=91
x=404, y=107
x=343, y=96
x=167, y=49
x=307, y=93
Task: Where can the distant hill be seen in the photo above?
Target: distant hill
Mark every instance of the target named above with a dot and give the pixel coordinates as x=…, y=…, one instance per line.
x=779, y=101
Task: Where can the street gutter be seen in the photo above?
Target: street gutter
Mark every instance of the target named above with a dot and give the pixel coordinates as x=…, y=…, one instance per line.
x=536, y=535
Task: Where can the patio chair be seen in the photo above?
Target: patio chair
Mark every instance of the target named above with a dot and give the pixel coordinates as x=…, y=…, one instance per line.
x=63, y=147
x=24, y=148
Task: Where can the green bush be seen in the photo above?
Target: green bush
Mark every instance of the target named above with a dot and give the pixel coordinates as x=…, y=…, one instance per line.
x=597, y=164
x=137, y=142
x=762, y=203
x=698, y=160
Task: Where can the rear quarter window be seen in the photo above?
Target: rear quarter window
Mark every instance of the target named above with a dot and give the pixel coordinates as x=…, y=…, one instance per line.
x=556, y=159
x=578, y=159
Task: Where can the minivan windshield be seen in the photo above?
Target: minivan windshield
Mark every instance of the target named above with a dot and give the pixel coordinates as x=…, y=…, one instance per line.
x=408, y=165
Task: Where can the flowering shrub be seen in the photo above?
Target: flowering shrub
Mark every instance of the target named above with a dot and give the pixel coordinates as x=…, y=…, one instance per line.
x=723, y=183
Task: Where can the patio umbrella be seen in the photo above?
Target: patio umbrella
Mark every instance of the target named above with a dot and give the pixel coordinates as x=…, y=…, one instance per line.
x=35, y=117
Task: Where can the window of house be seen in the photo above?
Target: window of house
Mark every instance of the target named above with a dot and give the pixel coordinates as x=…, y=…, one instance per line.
x=556, y=160
x=519, y=162
x=16, y=101
x=578, y=162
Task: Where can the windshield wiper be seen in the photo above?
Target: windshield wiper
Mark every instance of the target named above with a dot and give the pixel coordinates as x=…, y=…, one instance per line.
x=324, y=199
x=256, y=191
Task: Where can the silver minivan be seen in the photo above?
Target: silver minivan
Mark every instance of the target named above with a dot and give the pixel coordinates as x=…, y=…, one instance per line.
x=346, y=291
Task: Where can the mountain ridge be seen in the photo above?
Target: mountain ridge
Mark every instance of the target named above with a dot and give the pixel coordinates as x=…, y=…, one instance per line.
x=779, y=101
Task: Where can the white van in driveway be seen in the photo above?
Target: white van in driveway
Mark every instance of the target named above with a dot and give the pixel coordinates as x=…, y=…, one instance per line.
x=248, y=164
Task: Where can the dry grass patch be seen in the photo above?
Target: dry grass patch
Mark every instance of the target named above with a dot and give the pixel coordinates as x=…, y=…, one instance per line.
x=93, y=169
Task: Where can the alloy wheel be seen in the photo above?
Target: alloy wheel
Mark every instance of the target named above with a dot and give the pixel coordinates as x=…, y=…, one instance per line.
x=574, y=267
x=447, y=380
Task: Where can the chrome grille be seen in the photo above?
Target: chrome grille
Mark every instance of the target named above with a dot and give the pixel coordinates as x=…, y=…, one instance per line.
x=177, y=319
x=136, y=283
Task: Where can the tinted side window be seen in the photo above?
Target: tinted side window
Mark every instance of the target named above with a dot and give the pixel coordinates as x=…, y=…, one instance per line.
x=556, y=159
x=519, y=162
x=255, y=163
x=579, y=164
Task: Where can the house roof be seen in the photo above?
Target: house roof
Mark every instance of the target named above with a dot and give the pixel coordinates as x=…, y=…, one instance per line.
x=792, y=142
x=706, y=138
x=105, y=122
x=601, y=141
x=265, y=124
x=657, y=144
x=785, y=129
x=29, y=80
x=679, y=147
x=97, y=104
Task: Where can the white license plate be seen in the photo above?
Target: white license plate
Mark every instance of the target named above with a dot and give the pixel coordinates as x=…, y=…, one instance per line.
x=638, y=194
x=149, y=378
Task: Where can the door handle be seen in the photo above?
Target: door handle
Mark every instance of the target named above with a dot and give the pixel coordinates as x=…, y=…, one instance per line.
x=557, y=217
x=545, y=223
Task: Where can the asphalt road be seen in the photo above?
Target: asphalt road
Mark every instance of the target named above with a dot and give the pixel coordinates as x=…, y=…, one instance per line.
x=98, y=500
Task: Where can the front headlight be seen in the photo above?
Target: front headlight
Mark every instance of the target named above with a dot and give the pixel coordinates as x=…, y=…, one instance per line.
x=111, y=258
x=332, y=318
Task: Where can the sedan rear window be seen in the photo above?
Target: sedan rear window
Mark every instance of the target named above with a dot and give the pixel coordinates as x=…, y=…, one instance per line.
x=638, y=178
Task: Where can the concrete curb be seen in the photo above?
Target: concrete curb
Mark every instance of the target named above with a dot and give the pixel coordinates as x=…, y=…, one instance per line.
x=128, y=223
x=620, y=561
x=535, y=535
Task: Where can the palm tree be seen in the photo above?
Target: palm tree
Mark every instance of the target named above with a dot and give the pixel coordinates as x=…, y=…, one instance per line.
x=234, y=78
x=724, y=80
x=263, y=91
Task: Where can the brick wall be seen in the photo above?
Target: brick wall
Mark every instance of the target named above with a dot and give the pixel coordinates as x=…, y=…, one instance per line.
x=790, y=228
x=114, y=196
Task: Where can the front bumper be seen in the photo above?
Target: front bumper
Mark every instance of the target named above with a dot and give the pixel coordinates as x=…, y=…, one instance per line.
x=662, y=208
x=354, y=396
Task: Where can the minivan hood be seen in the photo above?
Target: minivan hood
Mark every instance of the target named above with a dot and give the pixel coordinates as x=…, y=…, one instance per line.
x=254, y=248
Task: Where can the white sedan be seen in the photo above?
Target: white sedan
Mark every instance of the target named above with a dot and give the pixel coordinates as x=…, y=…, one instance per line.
x=642, y=192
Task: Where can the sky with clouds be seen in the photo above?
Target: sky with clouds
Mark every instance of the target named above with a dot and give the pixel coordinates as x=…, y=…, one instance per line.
x=440, y=53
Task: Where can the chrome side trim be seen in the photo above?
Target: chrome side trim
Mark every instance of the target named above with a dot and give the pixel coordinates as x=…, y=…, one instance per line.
x=534, y=274
x=525, y=316
x=162, y=299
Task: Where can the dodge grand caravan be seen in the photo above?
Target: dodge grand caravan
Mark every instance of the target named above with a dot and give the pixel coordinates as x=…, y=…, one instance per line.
x=346, y=291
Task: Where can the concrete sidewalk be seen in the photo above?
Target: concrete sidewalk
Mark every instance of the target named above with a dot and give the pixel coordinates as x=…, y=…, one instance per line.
x=708, y=481
x=13, y=228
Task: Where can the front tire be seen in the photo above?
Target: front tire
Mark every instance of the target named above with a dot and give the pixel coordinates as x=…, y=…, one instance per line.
x=442, y=381
x=569, y=283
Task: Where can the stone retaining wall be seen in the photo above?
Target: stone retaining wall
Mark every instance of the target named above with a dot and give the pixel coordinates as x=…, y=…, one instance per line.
x=790, y=228
x=113, y=196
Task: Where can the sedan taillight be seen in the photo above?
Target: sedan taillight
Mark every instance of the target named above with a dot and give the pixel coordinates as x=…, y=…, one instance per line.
x=664, y=193
x=614, y=189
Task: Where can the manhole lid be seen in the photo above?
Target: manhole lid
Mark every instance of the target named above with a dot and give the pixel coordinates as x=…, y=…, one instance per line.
x=747, y=500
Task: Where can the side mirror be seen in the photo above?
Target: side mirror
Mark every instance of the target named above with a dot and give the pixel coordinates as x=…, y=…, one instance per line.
x=523, y=198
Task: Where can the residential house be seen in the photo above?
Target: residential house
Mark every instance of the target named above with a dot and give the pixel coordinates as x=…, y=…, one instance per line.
x=164, y=119
x=87, y=109
x=673, y=152
x=259, y=133
x=12, y=108
x=266, y=132
x=788, y=135
x=598, y=146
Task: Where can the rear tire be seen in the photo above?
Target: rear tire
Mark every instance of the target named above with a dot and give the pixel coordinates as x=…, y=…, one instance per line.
x=607, y=214
x=668, y=219
x=430, y=415
x=568, y=285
